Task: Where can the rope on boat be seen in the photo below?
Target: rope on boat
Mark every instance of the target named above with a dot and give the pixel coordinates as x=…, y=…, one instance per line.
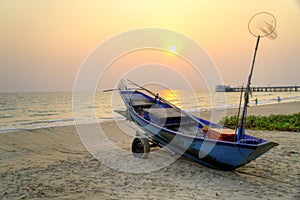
x=167, y=102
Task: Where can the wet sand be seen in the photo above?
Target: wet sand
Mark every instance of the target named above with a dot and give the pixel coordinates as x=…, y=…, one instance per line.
x=52, y=163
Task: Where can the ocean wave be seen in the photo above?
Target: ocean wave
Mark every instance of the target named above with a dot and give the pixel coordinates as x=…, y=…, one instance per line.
x=8, y=109
x=6, y=116
x=42, y=114
x=49, y=121
x=11, y=130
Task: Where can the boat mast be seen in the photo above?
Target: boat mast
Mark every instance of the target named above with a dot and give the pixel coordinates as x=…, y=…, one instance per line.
x=243, y=120
x=262, y=24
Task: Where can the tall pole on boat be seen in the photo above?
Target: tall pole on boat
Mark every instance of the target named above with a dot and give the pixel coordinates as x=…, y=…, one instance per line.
x=262, y=24
x=248, y=89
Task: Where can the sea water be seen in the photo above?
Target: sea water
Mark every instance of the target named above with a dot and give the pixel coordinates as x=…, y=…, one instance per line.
x=23, y=111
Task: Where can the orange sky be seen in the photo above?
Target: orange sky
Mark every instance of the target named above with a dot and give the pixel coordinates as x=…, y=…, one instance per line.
x=43, y=43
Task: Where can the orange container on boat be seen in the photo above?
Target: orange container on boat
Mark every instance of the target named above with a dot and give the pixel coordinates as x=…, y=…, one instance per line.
x=221, y=134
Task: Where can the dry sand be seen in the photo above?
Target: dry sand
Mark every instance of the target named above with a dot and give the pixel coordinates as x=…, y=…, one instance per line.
x=52, y=163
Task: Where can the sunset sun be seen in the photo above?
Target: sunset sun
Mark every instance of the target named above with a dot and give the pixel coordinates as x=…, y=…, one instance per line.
x=172, y=49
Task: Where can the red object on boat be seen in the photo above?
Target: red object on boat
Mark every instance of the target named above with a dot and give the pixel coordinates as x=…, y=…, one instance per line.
x=220, y=134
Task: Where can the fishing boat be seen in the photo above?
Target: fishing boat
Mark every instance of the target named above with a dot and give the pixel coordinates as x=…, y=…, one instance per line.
x=164, y=124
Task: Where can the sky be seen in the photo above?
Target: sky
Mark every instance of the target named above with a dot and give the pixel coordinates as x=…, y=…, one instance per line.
x=44, y=43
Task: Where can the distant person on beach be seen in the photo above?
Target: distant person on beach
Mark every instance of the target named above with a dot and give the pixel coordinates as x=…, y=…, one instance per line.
x=256, y=101
x=278, y=99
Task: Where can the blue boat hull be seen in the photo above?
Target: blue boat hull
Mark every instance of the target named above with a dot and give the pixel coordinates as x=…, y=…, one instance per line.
x=216, y=154
x=223, y=155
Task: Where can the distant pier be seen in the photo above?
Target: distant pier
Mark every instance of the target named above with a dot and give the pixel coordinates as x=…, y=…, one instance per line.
x=224, y=88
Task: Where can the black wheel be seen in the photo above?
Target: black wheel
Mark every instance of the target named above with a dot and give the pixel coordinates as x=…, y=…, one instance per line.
x=140, y=147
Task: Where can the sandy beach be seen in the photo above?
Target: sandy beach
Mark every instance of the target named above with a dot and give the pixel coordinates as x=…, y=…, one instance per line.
x=52, y=163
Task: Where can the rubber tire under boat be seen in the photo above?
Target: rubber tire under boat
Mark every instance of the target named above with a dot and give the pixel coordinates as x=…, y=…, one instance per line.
x=140, y=147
